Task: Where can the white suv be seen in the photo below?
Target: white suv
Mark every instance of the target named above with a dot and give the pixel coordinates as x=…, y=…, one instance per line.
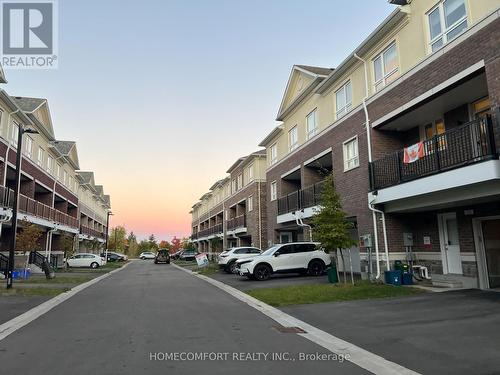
x=228, y=258
x=285, y=258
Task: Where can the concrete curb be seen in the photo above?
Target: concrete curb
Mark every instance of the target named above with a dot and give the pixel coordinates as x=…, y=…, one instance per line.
x=20, y=321
x=360, y=357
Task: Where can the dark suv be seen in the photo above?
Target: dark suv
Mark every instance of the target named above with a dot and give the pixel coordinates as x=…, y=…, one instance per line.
x=162, y=256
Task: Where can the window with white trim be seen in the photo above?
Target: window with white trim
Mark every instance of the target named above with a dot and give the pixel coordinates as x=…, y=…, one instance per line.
x=274, y=191
x=250, y=203
x=50, y=164
x=343, y=100
x=250, y=173
x=293, y=140
x=65, y=178
x=14, y=133
x=351, y=154
x=71, y=183
x=233, y=185
x=240, y=181
x=447, y=20
x=58, y=171
x=273, y=157
x=28, y=147
x=386, y=67
x=311, y=124
x=1, y=116
x=40, y=157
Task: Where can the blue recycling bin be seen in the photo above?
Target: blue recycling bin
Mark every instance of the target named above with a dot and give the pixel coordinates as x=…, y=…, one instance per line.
x=407, y=279
x=393, y=277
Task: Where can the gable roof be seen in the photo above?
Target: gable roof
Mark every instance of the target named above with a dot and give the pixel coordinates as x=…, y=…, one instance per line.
x=33, y=107
x=87, y=178
x=235, y=164
x=67, y=149
x=107, y=199
x=2, y=75
x=273, y=134
x=315, y=73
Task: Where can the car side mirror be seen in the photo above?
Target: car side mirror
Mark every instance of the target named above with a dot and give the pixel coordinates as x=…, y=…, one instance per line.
x=277, y=254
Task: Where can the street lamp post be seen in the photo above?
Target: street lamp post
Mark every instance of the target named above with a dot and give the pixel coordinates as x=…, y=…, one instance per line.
x=107, y=233
x=19, y=156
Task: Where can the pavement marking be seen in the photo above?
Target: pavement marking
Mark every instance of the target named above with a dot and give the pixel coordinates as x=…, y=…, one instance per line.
x=360, y=357
x=20, y=321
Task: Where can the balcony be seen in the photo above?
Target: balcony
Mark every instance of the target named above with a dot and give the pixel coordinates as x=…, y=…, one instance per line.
x=212, y=231
x=467, y=144
x=86, y=231
x=237, y=222
x=6, y=197
x=301, y=199
x=32, y=207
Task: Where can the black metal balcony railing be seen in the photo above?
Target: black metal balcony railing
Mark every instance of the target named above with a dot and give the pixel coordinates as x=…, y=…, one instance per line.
x=299, y=199
x=467, y=144
x=4, y=264
x=237, y=222
x=91, y=232
x=216, y=229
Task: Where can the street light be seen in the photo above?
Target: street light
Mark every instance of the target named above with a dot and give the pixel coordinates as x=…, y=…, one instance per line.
x=107, y=233
x=19, y=157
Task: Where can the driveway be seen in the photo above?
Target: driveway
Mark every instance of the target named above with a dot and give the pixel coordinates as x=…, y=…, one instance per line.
x=437, y=333
x=129, y=322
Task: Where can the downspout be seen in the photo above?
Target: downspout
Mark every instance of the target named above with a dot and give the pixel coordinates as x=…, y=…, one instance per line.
x=370, y=159
x=258, y=202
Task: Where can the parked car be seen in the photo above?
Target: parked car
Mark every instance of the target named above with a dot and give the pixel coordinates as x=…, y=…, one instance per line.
x=227, y=259
x=147, y=255
x=292, y=257
x=188, y=255
x=85, y=260
x=162, y=256
x=114, y=257
x=177, y=254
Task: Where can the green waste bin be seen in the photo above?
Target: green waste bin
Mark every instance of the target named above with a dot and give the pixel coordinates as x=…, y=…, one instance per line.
x=332, y=274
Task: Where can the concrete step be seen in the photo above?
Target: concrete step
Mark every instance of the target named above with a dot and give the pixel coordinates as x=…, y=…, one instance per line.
x=447, y=281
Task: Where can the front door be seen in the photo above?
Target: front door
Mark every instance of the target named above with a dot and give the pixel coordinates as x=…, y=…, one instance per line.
x=450, y=246
x=286, y=237
x=491, y=240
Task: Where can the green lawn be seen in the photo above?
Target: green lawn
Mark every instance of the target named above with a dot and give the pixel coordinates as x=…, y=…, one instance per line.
x=318, y=293
x=48, y=292
x=56, y=280
x=212, y=267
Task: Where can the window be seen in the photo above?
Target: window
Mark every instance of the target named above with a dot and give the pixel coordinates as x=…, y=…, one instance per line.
x=58, y=172
x=274, y=191
x=41, y=155
x=446, y=21
x=65, y=178
x=343, y=100
x=250, y=203
x=250, y=173
x=1, y=116
x=481, y=108
x=273, y=157
x=28, y=147
x=71, y=183
x=351, y=157
x=50, y=164
x=293, y=141
x=385, y=67
x=233, y=185
x=311, y=124
x=240, y=181
x=14, y=134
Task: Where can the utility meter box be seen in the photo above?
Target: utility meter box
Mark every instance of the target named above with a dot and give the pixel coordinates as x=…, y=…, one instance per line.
x=365, y=240
x=407, y=239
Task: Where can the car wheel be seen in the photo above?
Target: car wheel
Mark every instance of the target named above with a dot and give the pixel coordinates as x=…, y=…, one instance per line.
x=232, y=267
x=316, y=268
x=262, y=272
x=94, y=265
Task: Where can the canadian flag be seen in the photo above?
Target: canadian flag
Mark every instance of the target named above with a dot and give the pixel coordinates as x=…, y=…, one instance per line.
x=413, y=153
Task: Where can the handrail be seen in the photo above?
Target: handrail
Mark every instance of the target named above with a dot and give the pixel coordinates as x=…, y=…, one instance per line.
x=299, y=199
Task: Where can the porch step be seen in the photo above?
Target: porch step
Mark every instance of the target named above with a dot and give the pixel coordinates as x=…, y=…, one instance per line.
x=35, y=269
x=447, y=281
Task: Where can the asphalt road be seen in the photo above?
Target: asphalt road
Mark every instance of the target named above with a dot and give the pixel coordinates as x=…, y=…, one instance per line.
x=132, y=321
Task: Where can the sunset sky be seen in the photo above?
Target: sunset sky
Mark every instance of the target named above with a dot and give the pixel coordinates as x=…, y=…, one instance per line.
x=163, y=96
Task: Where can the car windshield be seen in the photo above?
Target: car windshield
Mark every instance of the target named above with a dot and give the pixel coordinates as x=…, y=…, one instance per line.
x=270, y=251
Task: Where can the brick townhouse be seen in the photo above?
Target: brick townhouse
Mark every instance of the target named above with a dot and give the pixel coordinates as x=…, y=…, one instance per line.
x=233, y=213
x=408, y=125
x=52, y=192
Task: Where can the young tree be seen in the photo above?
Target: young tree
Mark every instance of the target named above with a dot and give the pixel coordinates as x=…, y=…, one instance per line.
x=331, y=227
x=28, y=238
x=132, y=244
x=153, y=245
x=176, y=245
x=117, y=238
x=164, y=245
